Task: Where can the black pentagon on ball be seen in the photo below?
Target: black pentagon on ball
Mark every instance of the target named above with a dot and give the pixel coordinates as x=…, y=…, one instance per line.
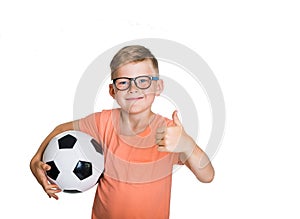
x=83, y=169
x=71, y=191
x=53, y=172
x=67, y=142
x=97, y=146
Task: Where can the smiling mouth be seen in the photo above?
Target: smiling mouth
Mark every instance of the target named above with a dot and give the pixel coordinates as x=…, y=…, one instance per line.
x=134, y=98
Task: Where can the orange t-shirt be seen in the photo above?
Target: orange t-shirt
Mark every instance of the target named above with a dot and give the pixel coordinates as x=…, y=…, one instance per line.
x=137, y=179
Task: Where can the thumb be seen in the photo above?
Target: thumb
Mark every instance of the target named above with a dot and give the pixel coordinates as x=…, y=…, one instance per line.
x=176, y=119
x=46, y=167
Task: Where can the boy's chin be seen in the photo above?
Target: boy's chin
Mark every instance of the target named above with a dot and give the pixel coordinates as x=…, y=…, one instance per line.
x=135, y=110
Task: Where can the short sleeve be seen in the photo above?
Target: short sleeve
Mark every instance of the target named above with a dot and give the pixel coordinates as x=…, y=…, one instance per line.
x=90, y=125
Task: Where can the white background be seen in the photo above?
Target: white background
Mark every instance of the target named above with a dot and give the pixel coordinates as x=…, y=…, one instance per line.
x=251, y=46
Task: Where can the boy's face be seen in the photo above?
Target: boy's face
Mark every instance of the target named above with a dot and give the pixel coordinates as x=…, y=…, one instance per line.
x=134, y=99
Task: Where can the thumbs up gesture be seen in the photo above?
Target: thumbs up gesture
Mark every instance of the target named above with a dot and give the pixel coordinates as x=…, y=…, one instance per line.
x=173, y=138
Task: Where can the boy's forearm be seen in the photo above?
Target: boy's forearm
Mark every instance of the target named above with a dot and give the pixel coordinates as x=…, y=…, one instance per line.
x=198, y=162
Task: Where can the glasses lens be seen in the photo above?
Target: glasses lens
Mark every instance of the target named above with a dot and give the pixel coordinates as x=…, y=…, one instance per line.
x=143, y=82
x=122, y=83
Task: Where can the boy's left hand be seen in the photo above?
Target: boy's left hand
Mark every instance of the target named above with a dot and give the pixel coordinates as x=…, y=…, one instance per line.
x=174, y=138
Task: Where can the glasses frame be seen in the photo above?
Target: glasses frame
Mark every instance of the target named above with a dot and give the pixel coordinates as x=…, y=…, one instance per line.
x=152, y=78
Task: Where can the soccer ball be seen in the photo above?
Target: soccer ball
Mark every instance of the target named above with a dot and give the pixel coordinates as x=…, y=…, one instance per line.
x=76, y=161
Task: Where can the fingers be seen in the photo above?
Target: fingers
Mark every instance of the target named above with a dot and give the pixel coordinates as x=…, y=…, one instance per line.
x=167, y=138
x=161, y=130
x=45, y=167
x=163, y=148
x=161, y=139
x=161, y=143
x=160, y=133
x=39, y=170
x=52, y=190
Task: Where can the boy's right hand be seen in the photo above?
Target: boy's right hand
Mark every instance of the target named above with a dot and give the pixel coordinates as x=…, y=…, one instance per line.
x=39, y=169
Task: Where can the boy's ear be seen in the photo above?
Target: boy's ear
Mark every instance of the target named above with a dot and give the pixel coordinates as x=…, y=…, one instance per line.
x=112, y=90
x=159, y=87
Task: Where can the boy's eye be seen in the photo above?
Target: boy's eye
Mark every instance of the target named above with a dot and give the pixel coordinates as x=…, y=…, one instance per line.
x=122, y=82
x=143, y=80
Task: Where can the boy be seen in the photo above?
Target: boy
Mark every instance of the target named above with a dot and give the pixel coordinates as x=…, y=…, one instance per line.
x=140, y=147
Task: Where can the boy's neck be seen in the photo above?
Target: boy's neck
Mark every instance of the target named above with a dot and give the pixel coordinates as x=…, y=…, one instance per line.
x=132, y=124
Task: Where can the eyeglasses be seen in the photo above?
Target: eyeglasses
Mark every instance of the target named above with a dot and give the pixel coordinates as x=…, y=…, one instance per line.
x=142, y=82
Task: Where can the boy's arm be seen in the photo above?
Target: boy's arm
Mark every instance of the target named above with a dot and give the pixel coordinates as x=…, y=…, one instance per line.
x=38, y=168
x=198, y=162
x=175, y=139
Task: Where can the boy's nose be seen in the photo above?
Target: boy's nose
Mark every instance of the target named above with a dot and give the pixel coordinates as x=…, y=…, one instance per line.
x=132, y=88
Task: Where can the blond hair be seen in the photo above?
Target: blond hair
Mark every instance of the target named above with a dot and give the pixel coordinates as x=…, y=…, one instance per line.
x=134, y=53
